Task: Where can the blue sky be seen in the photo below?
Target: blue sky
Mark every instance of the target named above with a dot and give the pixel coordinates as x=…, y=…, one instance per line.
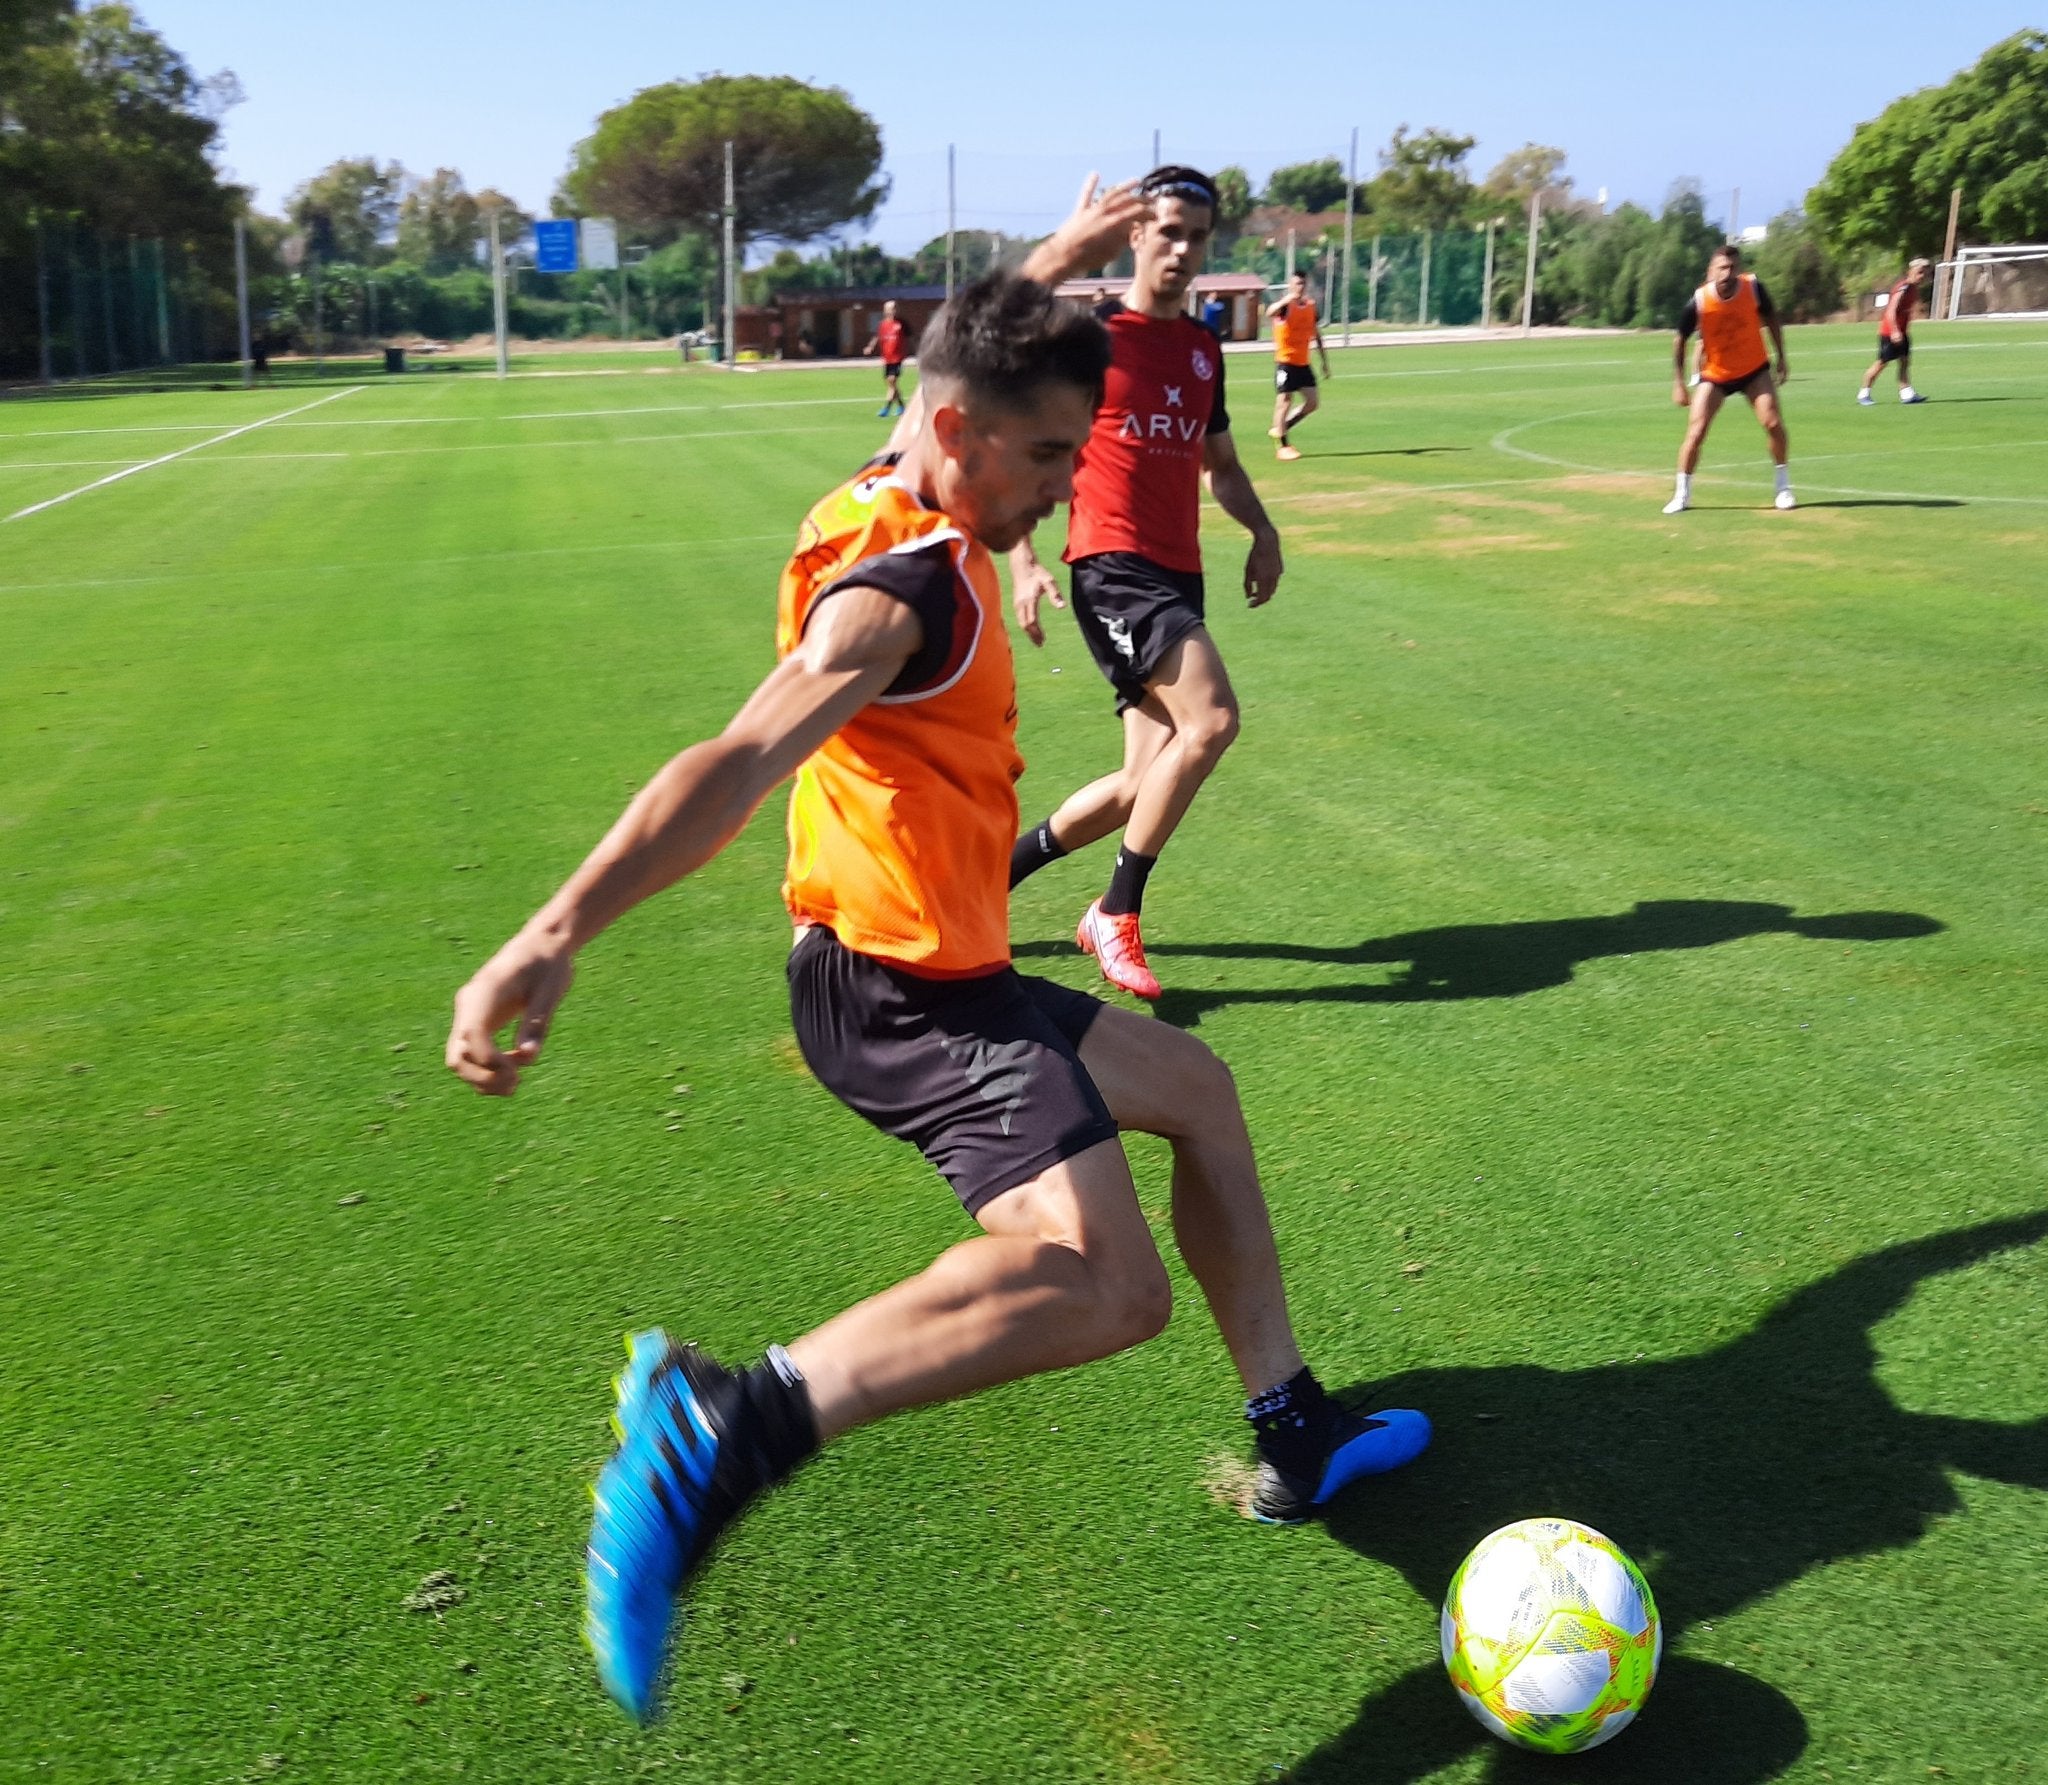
x=1746, y=94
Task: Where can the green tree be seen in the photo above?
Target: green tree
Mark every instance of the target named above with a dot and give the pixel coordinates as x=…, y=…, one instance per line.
x=1234, y=198
x=349, y=210
x=1804, y=278
x=1986, y=131
x=1307, y=185
x=1422, y=183
x=1522, y=173
x=806, y=160
x=438, y=222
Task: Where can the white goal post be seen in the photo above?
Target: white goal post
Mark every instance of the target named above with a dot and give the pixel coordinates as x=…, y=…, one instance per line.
x=2007, y=283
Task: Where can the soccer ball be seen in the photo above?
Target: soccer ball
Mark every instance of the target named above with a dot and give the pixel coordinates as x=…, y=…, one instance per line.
x=1550, y=1636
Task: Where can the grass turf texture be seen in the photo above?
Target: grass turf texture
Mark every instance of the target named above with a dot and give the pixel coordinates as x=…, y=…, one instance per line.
x=1626, y=932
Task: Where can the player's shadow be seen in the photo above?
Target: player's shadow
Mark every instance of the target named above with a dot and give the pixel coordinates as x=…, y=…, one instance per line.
x=1889, y=502
x=1728, y=1475
x=1508, y=960
x=1389, y=452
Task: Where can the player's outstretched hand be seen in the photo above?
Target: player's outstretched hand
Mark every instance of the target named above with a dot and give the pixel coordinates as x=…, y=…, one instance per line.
x=1098, y=230
x=1026, y=592
x=521, y=983
x=1262, y=569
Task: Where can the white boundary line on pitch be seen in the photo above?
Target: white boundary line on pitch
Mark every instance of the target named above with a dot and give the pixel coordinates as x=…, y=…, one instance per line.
x=347, y=567
x=1503, y=443
x=100, y=483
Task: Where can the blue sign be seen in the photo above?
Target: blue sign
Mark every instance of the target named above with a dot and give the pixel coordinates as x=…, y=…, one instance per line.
x=554, y=245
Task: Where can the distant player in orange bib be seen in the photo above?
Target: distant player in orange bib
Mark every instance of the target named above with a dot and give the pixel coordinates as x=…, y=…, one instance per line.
x=1894, y=336
x=1729, y=313
x=893, y=703
x=1295, y=329
x=890, y=340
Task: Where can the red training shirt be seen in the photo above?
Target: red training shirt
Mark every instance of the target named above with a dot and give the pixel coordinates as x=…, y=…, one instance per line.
x=890, y=335
x=1138, y=487
x=1899, y=308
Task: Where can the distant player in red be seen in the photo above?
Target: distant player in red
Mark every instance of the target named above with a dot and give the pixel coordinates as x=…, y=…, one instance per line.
x=1133, y=542
x=1895, y=338
x=891, y=339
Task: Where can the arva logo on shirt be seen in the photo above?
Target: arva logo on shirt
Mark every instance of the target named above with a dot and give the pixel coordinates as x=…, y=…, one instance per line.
x=1161, y=426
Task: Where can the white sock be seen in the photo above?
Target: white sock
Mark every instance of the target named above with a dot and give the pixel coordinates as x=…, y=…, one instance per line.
x=1905, y=393
x=1684, y=484
x=1784, y=477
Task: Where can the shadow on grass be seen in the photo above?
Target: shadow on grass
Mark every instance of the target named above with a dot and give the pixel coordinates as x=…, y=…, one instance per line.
x=1728, y=1475
x=1386, y=452
x=1889, y=502
x=1509, y=960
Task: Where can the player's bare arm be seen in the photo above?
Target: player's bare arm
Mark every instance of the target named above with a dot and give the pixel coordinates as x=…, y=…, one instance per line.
x=1031, y=585
x=1777, y=329
x=1231, y=485
x=1322, y=348
x=1678, y=353
x=1095, y=232
x=690, y=811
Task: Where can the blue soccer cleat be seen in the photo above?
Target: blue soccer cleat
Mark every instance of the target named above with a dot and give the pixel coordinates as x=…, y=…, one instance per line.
x=1361, y=1444
x=661, y=1503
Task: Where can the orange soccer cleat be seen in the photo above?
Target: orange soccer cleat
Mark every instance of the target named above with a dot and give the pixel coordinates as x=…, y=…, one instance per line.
x=1118, y=950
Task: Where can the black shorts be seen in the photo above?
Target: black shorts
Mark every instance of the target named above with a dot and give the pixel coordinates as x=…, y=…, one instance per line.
x=1743, y=386
x=892, y=368
x=1132, y=612
x=983, y=1076
x=1292, y=378
x=1893, y=347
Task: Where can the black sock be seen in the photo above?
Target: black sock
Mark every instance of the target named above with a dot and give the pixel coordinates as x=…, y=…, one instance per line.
x=784, y=1429
x=1032, y=851
x=1127, y=883
x=1291, y=1425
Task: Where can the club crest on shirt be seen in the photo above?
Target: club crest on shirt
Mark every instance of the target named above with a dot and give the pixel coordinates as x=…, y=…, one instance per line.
x=1202, y=368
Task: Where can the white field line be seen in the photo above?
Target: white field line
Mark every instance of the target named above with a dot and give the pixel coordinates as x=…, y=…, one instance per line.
x=100, y=483
x=1503, y=443
x=390, y=565
x=418, y=421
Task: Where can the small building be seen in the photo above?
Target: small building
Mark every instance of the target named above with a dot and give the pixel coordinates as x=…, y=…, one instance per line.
x=1241, y=295
x=836, y=324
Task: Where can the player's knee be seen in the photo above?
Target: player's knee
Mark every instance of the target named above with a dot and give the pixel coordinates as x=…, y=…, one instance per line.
x=1138, y=1307
x=1212, y=733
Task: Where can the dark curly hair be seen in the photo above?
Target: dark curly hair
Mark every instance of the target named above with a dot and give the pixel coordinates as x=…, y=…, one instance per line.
x=1003, y=337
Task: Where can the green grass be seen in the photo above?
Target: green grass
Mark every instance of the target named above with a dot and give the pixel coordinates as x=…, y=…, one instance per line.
x=1627, y=934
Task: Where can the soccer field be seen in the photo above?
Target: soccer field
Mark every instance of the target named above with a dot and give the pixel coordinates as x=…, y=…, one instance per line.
x=1628, y=934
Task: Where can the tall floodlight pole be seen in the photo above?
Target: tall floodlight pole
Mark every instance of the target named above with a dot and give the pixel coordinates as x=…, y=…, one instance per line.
x=1735, y=216
x=731, y=278
x=43, y=307
x=1486, y=279
x=498, y=289
x=1529, y=277
x=1290, y=254
x=1372, y=285
x=1155, y=146
x=1350, y=206
x=950, y=218
x=242, y=300
x=1422, y=302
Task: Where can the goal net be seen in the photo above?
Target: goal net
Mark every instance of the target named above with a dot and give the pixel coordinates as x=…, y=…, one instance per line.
x=2007, y=283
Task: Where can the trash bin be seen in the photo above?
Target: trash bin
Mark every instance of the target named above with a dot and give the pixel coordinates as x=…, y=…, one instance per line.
x=394, y=359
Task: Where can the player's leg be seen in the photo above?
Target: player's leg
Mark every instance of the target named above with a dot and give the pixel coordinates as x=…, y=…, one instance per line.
x=1907, y=394
x=1706, y=404
x=1190, y=683
x=1763, y=398
x=1161, y=1081
x=1092, y=812
x=1871, y=377
x=1282, y=401
x=1311, y=399
x=1064, y=1272
x=1193, y=688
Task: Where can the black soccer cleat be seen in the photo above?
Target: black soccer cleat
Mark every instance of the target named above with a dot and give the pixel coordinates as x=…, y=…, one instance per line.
x=1361, y=1444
